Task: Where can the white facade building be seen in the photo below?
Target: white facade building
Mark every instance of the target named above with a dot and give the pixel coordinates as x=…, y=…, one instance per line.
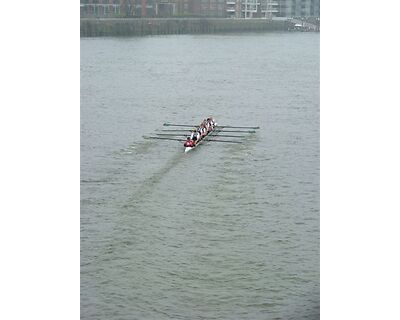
x=272, y=8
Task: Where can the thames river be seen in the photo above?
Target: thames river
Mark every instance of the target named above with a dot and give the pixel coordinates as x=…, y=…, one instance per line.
x=227, y=231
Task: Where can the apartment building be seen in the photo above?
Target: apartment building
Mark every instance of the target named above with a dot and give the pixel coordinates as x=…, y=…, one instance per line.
x=233, y=9
x=246, y=9
x=293, y=8
x=209, y=8
x=108, y=8
x=272, y=8
x=197, y=8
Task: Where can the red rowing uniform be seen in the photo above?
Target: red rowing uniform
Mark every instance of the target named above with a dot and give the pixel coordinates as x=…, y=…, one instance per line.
x=188, y=143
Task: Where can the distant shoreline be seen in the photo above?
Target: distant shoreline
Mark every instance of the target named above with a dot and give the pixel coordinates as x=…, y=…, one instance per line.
x=114, y=27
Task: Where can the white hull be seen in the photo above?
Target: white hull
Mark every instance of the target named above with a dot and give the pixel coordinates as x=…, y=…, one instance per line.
x=187, y=149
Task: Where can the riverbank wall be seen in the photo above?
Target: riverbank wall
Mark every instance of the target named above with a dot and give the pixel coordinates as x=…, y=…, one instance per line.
x=92, y=27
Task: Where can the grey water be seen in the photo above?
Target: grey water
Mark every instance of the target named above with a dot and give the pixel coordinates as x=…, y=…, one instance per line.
x=227, y=231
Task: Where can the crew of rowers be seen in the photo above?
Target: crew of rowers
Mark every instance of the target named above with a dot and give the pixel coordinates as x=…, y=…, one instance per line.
x=205, y=127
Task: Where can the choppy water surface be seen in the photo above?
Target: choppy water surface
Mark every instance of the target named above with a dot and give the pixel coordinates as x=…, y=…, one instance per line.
x=224, y=232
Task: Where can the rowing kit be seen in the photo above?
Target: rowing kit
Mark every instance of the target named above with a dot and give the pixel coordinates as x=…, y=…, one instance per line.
x=211, y=132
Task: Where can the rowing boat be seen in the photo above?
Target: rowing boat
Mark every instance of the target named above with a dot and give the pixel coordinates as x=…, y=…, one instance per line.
x=187, y=149
x=177, y=135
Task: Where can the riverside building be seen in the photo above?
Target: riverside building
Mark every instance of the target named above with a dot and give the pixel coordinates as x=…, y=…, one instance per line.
x=246, y=9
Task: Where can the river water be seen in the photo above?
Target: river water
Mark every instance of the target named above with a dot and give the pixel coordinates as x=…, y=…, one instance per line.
x=228, y=231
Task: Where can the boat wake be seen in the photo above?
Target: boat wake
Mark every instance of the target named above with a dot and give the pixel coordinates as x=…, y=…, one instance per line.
x=137, y=148
x=146, y=187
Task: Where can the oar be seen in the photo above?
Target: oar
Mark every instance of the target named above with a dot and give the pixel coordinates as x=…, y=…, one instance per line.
x=221, y=129
x=174, y=130
x=238, y=127
x=186, y=135
x=240, y=131
x=162, y=138
x=230, y=136
x=227, y=141
x=173, y=134
x=179, y=125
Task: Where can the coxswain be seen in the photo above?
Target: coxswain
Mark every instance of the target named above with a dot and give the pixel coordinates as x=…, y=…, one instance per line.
x=189, y=142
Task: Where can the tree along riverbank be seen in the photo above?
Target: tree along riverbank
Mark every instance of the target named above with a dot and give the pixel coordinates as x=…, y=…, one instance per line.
x=91, y=27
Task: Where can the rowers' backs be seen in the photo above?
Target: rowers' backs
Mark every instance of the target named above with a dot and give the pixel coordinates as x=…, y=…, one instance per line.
x=201, y=131
x=211, y=121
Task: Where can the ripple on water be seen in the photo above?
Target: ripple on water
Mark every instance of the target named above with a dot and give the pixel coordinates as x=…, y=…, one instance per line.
x=225, y=232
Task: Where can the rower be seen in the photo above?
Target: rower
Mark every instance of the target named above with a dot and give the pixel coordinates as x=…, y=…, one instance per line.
x=195, y=136
x=212, y=121
x=189, y=142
